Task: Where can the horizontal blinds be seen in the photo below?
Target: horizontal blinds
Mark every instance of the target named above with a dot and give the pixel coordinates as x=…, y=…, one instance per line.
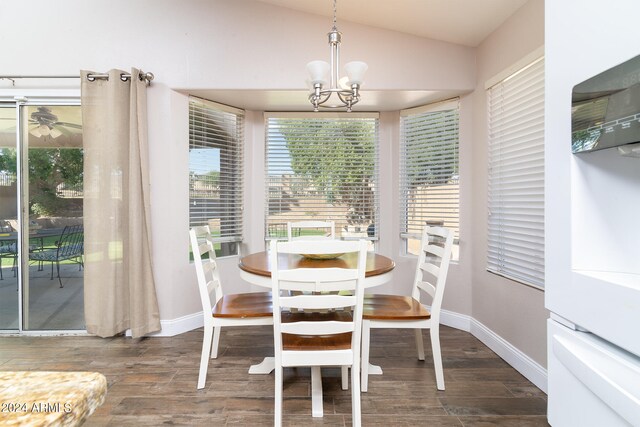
x=215, y=168
x=322, y=168
x=429, y=189
x=516, y=176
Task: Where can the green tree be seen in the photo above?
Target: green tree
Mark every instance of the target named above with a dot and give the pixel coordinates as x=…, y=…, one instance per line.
x=335, y=156
x=48, y=168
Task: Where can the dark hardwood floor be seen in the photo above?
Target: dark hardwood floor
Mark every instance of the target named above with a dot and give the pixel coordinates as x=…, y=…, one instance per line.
x=152, y=382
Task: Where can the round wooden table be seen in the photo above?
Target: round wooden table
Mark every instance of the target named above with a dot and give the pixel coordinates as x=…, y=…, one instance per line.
x=256, y=269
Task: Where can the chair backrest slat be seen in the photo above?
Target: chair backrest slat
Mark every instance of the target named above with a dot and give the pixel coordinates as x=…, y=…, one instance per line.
x=204, y=259
x=427, y=287
x=307, y=302
x=430, y=268
x=438, y=251
x=433, y=261
x=330, y=327
x=71, y=241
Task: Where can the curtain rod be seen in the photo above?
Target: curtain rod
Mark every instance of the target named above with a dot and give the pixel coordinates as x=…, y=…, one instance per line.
x=91, y=77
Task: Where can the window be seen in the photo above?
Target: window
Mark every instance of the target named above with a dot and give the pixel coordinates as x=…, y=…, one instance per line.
x=516, y=176
x=429, y=189
x=216, y=139
x=322, y=167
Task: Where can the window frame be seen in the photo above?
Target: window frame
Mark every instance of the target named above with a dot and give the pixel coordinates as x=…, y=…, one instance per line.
x=231, y=186
x=404, y=203
x=339, y=220
x=514, y=252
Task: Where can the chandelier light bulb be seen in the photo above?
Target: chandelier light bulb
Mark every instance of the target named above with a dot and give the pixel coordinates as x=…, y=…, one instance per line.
x=355, y=71
x=318, y=72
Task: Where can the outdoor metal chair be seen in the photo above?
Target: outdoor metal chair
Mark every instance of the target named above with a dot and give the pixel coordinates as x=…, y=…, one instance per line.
x=70, y=247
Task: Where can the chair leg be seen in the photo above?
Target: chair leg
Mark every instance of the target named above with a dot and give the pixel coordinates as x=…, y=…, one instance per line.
x=58, y=269
x=419, y=344
x=204, y=357
x=366, y=338
x=216, y=342
x=316, y=392
x=277, y=422
x=356, y=411
x=437, y=357
x=345, y=377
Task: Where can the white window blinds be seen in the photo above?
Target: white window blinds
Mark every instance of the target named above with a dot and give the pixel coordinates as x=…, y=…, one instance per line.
x=216, y=139
x=516, y=176
x=429, y=189
x=322, y=167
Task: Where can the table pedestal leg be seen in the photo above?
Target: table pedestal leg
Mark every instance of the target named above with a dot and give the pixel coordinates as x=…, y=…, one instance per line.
x=375, y=369
x=264, y=367
x=316, y=392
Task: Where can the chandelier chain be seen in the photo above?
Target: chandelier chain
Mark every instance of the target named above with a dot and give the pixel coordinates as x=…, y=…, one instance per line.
x=335, y=13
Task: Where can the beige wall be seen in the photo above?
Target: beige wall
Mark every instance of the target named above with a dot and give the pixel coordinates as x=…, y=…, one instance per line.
x=513, y=311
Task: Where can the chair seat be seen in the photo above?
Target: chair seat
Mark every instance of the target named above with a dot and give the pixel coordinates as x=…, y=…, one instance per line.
x=393, y=307
x=316, y=342
x=254, y=304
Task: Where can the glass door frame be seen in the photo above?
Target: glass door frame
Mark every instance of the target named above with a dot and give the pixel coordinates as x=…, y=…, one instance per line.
x=11, y=99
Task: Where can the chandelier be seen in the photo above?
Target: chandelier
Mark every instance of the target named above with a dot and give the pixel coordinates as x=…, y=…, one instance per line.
x=321, y=74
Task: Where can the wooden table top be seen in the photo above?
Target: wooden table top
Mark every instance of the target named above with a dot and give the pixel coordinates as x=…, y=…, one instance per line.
x=258, y=263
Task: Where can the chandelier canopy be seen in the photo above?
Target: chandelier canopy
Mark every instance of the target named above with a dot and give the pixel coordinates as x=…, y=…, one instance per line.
x=321, y=74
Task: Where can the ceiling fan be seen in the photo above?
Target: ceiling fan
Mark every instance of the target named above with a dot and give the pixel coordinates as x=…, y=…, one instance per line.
x=44, y=122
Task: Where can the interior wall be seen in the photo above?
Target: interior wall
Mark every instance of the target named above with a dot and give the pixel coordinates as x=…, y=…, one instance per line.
x=208, y=44
x=512, y=310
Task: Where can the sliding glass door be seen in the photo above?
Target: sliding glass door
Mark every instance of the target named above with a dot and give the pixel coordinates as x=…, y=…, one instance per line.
x=45, y=226
x=9, y=295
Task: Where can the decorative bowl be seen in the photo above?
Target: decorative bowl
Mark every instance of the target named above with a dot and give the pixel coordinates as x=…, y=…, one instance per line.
x=322, y=256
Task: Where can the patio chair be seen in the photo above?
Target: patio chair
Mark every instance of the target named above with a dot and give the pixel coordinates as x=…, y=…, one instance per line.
x=294, y=230
x=8, y=250
x=394, y=311
x=220, y=309
x=313, y=328
x=70, y=247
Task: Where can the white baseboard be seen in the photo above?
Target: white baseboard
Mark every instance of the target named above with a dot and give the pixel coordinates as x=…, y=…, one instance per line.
x=455, y=320
x=513, y=356
x=180, y=325
x=516, y=358
x=522, y=363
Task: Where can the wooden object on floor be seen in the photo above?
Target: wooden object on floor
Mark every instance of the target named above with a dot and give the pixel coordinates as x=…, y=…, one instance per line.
x=306, y=337
x=392, y=311
x=249, y=309
x=37, y=398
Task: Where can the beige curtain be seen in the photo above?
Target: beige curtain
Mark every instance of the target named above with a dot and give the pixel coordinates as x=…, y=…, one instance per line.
x=119, y=290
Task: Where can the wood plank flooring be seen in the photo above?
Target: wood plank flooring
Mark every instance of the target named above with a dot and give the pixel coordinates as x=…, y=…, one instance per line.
x=152, y=381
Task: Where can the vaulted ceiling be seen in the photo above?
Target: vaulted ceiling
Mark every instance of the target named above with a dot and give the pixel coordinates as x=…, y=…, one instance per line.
x=466, y=22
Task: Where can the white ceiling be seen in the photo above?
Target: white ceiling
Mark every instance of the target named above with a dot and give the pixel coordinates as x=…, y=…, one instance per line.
x=466, y=22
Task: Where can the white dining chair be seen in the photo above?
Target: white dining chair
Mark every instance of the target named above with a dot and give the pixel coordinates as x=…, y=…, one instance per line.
x=220, y=309
x=330, y=336
x=329, y=228
x=395, y=311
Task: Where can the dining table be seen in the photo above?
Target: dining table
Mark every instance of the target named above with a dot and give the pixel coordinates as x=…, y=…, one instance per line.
x=255, y=268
